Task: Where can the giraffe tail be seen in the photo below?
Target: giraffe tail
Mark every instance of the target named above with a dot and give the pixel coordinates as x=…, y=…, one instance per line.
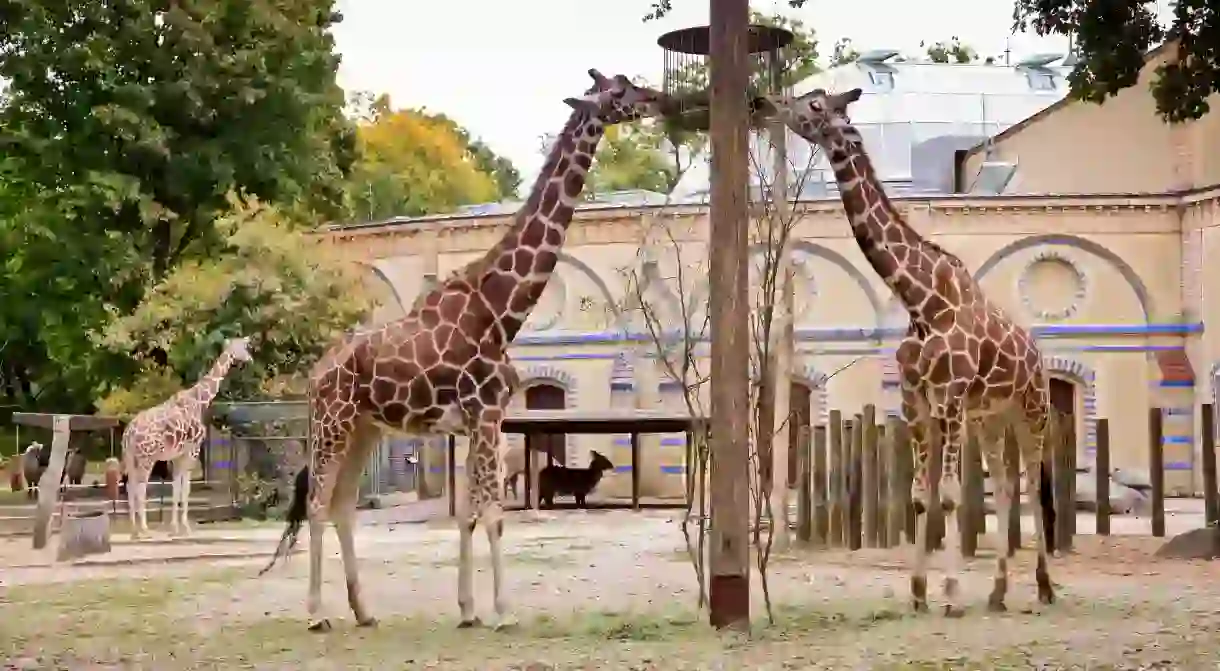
x=1046, y=499
x=298, y=511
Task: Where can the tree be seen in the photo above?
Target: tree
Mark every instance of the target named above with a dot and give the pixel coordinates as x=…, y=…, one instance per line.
x=271, y=281
x=951, y=51
x=414, y=163
x=843, y=53
x=1112, y=40
x=159, y=109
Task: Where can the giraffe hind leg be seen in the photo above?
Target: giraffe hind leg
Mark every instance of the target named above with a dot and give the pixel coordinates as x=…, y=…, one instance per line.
x=915, y=414
x=343, y=514
x=991, y=442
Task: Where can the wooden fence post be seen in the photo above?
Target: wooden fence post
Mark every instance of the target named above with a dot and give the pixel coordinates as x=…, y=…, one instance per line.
x=1156, y=470
x=856, y=449
x=900, y=484
x=804, y=479
x=821, y=517
x=1062, y=474
x=885, y=473
x=1101, y=466
x=1012, y=462
x=838, y=481
x=868, y=476
x=936, y=514
x=1211, y=496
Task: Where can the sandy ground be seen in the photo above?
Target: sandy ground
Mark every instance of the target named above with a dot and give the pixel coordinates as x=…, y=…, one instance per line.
x=592, y=590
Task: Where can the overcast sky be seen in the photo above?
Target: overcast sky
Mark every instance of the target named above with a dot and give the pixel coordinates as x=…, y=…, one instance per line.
x=502, y=68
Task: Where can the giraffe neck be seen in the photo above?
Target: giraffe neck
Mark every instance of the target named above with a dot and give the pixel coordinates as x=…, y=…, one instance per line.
x=892, y=247
x=514, y=273
x=205, y=390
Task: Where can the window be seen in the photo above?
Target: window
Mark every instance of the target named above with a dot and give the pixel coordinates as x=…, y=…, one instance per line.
x=881, y=80
x=1041, y=81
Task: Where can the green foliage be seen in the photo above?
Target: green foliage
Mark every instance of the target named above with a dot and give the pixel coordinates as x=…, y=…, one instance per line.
x=124, y=125
x=271, y=281
x=1113, y=37
x=414, y=163
x=950, y=51
x=843, y=53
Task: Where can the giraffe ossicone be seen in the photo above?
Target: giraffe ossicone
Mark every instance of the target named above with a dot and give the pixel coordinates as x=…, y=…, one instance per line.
x=444, y=367
x=173, y=431
x=964, y=364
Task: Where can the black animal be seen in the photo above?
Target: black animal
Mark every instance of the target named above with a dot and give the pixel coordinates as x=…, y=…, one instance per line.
x=162, y=471
x=576, y=482
x=37, y=458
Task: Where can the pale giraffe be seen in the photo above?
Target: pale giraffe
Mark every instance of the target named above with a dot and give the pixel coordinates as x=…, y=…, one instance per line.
x=173, y=431
x=444, y=368
x=963, y=360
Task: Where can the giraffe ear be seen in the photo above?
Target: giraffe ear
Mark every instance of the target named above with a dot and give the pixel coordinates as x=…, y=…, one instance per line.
x=584, y=104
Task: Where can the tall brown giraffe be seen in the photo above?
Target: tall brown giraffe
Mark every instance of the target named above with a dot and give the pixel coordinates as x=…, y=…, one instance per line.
x=963, y=360
x=444, y=368
x=173, y=431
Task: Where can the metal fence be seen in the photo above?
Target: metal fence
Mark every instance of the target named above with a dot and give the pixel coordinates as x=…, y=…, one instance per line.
x=268, y=440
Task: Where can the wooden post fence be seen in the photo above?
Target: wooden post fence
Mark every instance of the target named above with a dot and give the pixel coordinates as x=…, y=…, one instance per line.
x=868, y=477
x=821, y=489
x=1101, y=467
x=838, y=481
x=1211, y=496
x=1012, y=458
x=1156, y=470
x=804, y=486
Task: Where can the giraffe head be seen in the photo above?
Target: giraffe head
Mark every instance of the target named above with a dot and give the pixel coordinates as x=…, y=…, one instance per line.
x=817, y=116
x=238, y=348
x=616, y=100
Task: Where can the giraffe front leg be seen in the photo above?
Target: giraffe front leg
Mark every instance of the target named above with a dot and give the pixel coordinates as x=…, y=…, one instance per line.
x=183, y=473
x=493, y=523
x=313, y=604
x=915, y=414
x=950, y=499
x=466, y=524
x=175, y=493
x=992, y=444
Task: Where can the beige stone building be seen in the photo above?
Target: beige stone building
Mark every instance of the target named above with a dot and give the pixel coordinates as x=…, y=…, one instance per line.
x=1098, y=243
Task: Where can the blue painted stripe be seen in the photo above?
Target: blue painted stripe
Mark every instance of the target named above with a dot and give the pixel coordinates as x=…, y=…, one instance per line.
x=671, y=470
x=1178, y=466
x=621, y=386
x=1123, y=348
x=848, y=334
x=1178, y=440
x=1178, y=411
x=1178, y=383
x=667, y=442
x=441, y=469
x=225, y=463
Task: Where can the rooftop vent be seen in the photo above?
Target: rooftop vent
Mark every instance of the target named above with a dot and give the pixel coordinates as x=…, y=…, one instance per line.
x=1038, y=60
x=877, y=55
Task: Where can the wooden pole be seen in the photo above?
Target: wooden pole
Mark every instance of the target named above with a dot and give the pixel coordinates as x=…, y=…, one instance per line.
x=1211, y=496
x=1101, y=465
x=900, y=487
x=1012, y=463
x=855, y=490
x=729, y=587
x=868, y=476
x=1156, y=470
x=837, y=481
x=1064, y=475
x=935, y=513
x=885, y=472
x=804, y=492
x=48, y=485
x=821, y=516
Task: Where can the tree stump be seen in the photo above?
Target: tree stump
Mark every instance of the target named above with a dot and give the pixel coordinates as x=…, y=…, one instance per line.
x=83, y=535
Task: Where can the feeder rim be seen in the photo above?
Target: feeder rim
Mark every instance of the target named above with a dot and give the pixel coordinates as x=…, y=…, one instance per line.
x=696, y=40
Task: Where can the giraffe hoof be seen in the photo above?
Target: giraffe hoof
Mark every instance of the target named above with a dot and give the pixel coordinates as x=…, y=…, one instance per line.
x=367, y=623
x=506, y=624
x=321, y=626
x=953, y=612
x=470, y=624
x=919, y=606
x=995, y=606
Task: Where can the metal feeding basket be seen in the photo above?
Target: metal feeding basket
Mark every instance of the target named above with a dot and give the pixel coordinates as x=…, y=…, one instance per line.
x=687, y=73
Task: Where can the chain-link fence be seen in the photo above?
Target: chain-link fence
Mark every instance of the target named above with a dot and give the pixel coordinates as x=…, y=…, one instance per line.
x=258, y=447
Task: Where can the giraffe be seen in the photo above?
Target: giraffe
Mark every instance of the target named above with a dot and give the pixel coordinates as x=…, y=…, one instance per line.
x=173, y=431
x=963, y=362
x=444, y=369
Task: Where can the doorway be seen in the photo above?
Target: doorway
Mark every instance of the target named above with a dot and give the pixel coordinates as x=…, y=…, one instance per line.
x=799, y=425
x=548, y=397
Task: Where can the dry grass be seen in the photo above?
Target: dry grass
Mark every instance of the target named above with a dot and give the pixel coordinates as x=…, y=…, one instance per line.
x=617, y=600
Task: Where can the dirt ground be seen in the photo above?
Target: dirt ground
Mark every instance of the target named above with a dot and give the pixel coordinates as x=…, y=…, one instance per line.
x=595, y=590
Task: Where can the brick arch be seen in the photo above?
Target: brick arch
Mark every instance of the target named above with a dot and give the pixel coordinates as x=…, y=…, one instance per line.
x=816, y=381
x=544, y=374
x=1085, y=378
